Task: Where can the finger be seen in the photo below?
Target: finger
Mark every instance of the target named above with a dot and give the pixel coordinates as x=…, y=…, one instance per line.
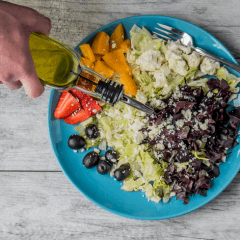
x=30, y=80
x=32, y=86
x=13, y=84
x=28, y=76
x=36, y=22
x=30, y=18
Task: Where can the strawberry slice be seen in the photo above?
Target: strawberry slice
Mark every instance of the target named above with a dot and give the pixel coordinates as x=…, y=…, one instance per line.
x=91, y=106
x=80, y=95
x=67, y=104
x=88, y=103
x=77, y=117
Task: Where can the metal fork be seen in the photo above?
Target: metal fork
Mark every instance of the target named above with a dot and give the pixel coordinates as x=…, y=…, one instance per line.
x=187, y=40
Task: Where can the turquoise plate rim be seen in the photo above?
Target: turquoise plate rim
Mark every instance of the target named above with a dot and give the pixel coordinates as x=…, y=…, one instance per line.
x=207, y=199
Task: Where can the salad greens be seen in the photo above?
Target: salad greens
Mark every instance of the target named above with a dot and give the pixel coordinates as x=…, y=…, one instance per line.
x=162, y=70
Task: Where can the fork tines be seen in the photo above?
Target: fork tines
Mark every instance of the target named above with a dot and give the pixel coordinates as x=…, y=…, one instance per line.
x=172, y=33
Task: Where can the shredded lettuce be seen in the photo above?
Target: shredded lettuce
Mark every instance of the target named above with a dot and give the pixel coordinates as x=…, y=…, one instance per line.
x=141, y=40
x=200, y=155
x=174, y=66
x=199, y=83
x=222, y=73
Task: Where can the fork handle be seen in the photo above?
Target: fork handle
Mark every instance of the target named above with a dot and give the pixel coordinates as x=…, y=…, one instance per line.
x=221, y=60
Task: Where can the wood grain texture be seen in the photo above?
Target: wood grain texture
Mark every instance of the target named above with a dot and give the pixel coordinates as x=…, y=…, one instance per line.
x=46, y=206
x=36, y=199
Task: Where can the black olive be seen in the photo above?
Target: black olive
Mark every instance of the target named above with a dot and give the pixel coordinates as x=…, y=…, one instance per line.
x=92, y=131
x=76, y=142
x=103, y=167
x=91, y=159
x=111, y=156
x=122, y=172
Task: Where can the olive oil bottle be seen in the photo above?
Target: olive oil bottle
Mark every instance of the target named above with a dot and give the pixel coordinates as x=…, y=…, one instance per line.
x=53, y=60
x=60, y=66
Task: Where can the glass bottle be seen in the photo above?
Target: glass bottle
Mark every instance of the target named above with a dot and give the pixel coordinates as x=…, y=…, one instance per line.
x=59, y=67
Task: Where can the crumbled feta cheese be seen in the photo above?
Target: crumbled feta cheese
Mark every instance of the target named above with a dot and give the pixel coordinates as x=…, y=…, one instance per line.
x=209, y=94
x=160, y=146
x=160, y=76
x=96, y=150
x=175, y=46
x=117, y=136
x=150, y=60
x=98, y=116
x=179, y=123
x=138, y=137
x=141, y=97
x=177, y=94
x=176, y=62
x=193, y=59
x=204, y=126
x=129, y=114
x=153, y=131
x=137, y=125
x=132, y=57
x=172, y=194
x=195, y=127
x=209, y=66
x=187, y=114
x=157, y=103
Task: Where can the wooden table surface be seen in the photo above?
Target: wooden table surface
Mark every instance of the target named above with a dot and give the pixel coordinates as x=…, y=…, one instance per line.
x=37, y=201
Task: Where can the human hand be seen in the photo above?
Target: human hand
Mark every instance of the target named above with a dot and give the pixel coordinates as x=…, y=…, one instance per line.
x=16, y=64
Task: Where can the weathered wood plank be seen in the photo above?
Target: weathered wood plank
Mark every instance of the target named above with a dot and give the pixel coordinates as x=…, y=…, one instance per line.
x=37, y=205
x=78, y=18
x=24, y=137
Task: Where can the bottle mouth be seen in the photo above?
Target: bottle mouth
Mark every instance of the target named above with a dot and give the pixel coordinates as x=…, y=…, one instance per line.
x=110, y=91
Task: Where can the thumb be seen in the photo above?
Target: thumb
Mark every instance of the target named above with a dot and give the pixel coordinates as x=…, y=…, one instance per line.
x=32, y=85
x=30, y=81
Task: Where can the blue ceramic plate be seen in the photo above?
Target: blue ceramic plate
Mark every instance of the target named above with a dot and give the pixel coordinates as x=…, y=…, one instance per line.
x=105, y=191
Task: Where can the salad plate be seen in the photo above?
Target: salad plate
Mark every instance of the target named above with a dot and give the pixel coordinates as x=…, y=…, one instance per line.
x=104, y=190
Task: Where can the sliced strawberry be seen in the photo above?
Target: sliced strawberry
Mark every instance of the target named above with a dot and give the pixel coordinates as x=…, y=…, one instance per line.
x=67, y=104
x=88, y=103
x=77, y=117
x=79, y=94
x=91, y=106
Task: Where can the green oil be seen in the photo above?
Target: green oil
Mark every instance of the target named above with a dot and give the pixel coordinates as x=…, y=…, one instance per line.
x=53, y=60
